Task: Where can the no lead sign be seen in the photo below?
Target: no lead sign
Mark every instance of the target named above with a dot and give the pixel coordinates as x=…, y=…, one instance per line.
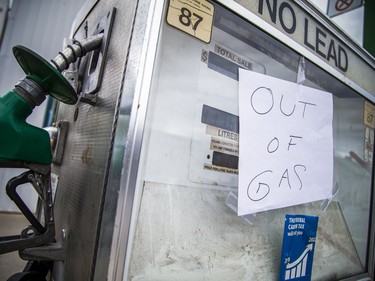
x=337, y=7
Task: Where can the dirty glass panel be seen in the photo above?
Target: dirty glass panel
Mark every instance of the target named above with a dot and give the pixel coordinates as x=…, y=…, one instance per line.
x=187, y=227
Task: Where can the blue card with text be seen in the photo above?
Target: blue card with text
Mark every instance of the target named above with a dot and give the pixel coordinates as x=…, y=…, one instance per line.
x=298, y=247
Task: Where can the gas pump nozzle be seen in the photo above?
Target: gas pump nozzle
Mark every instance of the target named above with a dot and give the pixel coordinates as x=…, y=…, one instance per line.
x=76, y=50
x=26, y=146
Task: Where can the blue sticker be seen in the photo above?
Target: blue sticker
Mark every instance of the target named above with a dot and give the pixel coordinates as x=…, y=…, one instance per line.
x=298, y=247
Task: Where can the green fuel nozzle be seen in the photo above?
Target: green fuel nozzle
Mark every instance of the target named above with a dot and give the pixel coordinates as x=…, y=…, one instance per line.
x=20, y=141
x=26, y=146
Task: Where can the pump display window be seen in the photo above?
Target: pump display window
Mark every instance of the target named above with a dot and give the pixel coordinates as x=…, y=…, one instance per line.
x=188, y=227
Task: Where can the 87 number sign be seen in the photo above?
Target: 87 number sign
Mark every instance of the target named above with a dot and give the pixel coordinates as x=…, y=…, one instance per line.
x=369, y=115
x=192, y=17
x=186, y=18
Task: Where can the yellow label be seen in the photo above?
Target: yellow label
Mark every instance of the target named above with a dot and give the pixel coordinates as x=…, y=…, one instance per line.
x=192, y=16
x=369, y=115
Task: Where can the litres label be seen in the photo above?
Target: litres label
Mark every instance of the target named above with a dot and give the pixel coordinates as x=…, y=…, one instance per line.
x=192, y=16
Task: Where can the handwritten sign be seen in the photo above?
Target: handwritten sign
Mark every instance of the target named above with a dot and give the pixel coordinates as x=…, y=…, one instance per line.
x=286, y=143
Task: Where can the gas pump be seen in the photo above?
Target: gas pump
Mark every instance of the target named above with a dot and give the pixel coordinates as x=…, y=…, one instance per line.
x=26, y=146
x=153, y=172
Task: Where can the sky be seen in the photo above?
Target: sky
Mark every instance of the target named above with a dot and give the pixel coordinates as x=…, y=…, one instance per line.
x=350, y=22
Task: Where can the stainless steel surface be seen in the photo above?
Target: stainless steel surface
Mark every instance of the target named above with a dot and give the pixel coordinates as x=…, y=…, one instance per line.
x=83, y=176
x=83, y=11
x=132, y=116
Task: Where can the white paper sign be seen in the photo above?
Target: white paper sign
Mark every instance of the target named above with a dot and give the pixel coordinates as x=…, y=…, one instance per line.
x=286, y=143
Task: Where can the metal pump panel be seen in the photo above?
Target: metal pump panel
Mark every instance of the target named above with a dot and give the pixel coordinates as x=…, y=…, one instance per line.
x=149, y=184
